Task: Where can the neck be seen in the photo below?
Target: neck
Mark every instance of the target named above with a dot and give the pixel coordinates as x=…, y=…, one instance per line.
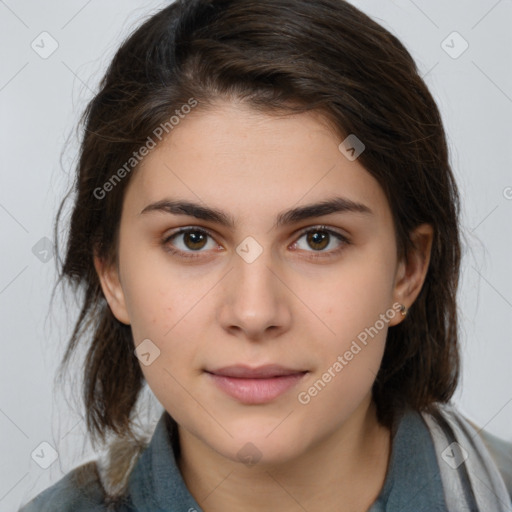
x=349, y=468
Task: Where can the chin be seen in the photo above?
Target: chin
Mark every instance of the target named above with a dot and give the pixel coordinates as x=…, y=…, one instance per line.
x=256, y=447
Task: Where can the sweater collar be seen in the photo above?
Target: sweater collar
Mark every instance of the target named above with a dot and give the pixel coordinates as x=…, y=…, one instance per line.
x=156, y=483
x=412, y=480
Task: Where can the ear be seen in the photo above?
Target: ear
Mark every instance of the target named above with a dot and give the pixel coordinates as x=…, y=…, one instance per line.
x=412, y=270
x=108, y=274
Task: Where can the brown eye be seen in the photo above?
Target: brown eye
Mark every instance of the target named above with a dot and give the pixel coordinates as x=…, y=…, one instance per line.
x=321, y=242
x=318, y=240
x=185, y=242
x=194, y=239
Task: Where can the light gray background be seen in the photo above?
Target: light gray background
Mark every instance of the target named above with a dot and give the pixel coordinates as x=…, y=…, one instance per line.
x=41, y=100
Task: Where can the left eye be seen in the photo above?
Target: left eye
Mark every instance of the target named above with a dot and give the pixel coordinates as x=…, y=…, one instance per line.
x=320, y=238
x=195, y=239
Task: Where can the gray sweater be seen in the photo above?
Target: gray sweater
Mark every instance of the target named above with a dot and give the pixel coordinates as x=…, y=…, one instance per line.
x=422, y=476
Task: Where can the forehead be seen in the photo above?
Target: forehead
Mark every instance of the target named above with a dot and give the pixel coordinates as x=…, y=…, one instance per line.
x=237, y=159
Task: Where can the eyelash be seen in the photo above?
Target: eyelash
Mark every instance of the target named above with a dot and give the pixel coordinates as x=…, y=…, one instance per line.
x=197, y=254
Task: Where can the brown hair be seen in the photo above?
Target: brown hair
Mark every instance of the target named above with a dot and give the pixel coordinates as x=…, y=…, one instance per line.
x=278, y=56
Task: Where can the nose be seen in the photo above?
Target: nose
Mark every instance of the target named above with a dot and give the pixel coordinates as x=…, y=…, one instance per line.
x=255, y=301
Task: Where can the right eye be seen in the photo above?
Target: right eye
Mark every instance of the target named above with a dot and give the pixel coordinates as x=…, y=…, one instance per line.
x=193, y=239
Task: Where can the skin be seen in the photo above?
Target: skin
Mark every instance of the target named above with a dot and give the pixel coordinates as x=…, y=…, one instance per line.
x=285, y=307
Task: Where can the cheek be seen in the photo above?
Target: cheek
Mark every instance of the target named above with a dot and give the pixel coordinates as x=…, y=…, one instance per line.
x=353, y=302
x=151, y=291
x=353, y=296
x=348, y=359
x=163, y=310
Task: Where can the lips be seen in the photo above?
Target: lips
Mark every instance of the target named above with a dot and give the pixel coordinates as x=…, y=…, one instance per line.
x=261, y=372
x=253, y=386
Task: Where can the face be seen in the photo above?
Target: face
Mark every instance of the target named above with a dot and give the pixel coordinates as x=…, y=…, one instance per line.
x=249, y=285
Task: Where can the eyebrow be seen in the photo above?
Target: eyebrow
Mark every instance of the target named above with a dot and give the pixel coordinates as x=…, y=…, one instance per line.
x=294, y=215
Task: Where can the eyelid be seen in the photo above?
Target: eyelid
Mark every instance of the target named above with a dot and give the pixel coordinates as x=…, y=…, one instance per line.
x=187, y=229
x=179, y=231
x=315, y=254
x=321, y=227
x=342, y=238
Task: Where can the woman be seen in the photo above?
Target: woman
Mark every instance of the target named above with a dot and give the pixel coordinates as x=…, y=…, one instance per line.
x=266, y=232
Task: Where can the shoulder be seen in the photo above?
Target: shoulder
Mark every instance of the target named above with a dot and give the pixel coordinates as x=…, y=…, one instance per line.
x=93, y=486
x=79, y=490
x=467, y=463
x=501, y=452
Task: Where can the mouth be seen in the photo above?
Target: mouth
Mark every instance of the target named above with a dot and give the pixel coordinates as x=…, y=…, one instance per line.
x=255, y=385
